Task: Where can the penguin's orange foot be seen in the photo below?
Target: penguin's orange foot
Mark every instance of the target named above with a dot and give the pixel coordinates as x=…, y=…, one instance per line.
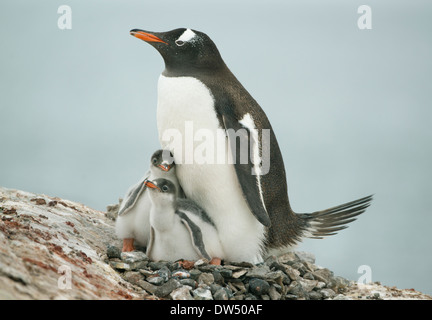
x=187, y=264
x=216, y=261
x=128, y=245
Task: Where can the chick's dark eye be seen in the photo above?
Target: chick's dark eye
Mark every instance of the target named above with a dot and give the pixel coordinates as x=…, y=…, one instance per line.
x=164, y=188
x=154, y=160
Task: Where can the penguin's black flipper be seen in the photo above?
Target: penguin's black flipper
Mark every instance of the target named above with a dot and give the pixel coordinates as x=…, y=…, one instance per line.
x=244, y=167
x=195, y=233
x=133, y=195
x=327, y=222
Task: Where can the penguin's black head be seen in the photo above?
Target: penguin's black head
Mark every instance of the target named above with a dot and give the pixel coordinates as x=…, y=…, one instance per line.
x=162, y=185
x=163, y=159
x=183, y=49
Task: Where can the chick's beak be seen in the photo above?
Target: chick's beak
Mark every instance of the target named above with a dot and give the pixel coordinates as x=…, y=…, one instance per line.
x=165, y=167
x=150, y=184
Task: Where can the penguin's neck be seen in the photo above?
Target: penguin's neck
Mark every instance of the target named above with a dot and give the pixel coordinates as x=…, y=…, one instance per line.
x=162, y=214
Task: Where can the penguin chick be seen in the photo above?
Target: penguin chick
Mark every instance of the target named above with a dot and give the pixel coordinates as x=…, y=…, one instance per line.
x=180, y=229
x=133, y=218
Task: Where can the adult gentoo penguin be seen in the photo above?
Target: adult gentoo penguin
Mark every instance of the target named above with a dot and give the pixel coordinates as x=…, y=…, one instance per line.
x=248, y=202
x=179, y=228
x=132, y=223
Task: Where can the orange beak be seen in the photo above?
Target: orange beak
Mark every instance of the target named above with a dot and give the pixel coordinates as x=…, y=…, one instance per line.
x=148, y=37
x=165, y=168
x=150, y=184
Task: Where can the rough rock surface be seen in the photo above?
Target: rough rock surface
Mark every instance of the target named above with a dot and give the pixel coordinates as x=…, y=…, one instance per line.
x=52, y=248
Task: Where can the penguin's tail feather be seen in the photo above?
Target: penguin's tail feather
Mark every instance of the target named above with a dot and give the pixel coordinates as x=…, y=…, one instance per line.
x=328, y=222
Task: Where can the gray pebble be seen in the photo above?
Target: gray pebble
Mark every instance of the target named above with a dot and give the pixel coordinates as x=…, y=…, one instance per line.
x=327, y=293
x=156, y=265
x=164, y=273
x=150, y=288
x=202, y=293
x=156, y=280
x=221, y=294
x=182, y=293
x=133, y=256
x=205, y=278
x=167, y=288
x=189, y=282
x=315, y=295
x=113, y=252
x=259, y=287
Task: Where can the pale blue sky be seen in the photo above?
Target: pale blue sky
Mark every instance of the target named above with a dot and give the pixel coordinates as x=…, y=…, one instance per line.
x=351, y=109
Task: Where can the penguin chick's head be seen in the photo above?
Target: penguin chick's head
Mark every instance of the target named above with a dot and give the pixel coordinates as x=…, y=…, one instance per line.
x=161, y=190
x=183, y=49
x=163, y=160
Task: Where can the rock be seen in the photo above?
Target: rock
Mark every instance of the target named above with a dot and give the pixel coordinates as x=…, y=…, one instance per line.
x=120, y=265
x=339, y=284
x=189, y=282
x=164, y=273
x=218, y=278
x=296, y=289
x=305, y=256
x=201, y=262
x=113, y=252
x=156, y=265
x=112, y=210
x=258, y=286
x=327, y=293
x=165, y=289
x=258, y=272
x=194, y=274
x=239, y=273
x=202, y=293
x=323, y=275
x=226, y=273
x=150, y=288
x=133, y=257
x=341, y=297
x=133, y=277
x=292, y=273
x=182, y=293
x=221, y=294
x=156, y=280
x=287, y=257
x=181, y=274
x=52, y=248
x=308, y=285
x=55, y=251
x=315, y=295
x=206, y=278
x=274, y=294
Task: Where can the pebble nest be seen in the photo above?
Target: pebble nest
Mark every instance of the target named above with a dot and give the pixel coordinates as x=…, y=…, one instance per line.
x=290, y=276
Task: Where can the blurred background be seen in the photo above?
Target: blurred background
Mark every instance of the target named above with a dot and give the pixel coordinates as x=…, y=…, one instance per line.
x=351, y=109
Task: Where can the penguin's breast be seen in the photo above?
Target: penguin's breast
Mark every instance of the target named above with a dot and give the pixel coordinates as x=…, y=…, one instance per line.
x=187, y=121
x=188, y=126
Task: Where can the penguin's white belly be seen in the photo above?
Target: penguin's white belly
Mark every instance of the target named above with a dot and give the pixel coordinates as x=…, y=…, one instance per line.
x=135, y=223
x=172, y=244
x=185, y=104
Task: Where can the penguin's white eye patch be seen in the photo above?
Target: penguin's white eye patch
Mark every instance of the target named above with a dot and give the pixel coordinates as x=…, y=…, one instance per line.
x=186, y=36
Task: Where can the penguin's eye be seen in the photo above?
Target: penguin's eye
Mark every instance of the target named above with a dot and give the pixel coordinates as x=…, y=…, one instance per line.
x=164, y=188
x=154, y=160
x=179, y=43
